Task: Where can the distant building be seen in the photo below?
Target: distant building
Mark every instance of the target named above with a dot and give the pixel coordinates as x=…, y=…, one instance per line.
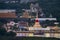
x=7, y=14
x=23, y=24
x=26, y=15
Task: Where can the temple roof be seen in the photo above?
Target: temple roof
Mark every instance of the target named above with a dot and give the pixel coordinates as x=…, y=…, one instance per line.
x=7, y=15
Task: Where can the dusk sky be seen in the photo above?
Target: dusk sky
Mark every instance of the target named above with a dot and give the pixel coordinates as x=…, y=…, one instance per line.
x=27, y=1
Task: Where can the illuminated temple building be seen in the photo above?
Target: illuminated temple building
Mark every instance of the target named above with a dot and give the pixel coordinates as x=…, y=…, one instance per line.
x=37, y=23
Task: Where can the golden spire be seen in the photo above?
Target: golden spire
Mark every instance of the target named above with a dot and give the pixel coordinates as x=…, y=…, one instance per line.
x=37, y=24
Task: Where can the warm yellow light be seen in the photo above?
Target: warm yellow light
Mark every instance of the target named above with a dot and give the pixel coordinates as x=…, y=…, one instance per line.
x=31, y=34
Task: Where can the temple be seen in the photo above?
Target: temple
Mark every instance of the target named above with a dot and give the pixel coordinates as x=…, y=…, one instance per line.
x=26, y=15
x=37, y=23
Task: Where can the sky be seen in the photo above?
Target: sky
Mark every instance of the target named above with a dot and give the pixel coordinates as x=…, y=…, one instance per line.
x=26, y=1
x=21, y=1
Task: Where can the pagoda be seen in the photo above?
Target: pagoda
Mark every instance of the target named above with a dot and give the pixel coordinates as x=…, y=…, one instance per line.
x=37, y=23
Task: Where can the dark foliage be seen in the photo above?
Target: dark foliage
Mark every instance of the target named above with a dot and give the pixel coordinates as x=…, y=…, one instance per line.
x=11, y=33
x=2, y=32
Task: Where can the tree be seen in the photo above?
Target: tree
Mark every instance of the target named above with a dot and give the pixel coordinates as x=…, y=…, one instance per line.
x=11, y=33
x=1, y=24
x=3, y=31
